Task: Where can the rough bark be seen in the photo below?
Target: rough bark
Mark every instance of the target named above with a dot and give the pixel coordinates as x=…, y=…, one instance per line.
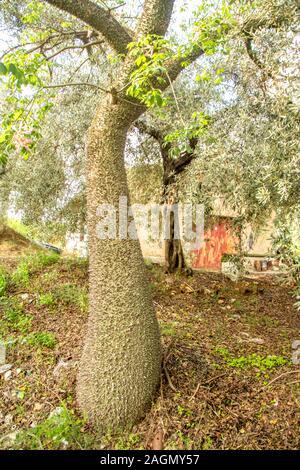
x=98, y=18
x=120, y=366
x=156, y=17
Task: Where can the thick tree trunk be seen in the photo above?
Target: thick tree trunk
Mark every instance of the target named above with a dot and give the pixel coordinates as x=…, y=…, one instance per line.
x=120, y=366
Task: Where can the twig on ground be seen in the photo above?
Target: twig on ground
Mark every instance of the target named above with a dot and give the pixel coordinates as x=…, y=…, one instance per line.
x=206, y=383
x=281, y=375
x=294, y=382
x=164, y=364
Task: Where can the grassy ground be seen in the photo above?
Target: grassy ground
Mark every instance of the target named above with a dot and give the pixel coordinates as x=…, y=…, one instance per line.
x=228, y=381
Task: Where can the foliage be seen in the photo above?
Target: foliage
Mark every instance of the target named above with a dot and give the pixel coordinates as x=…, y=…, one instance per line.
x=20, y=124
x=215, y=20
x=181, y=138
x=72, y=295
x=20, y=276
x=237, y=260
x=151, y=53
x=3, y=281
x=43, y=259
x=62, y=429
x=262, y=363
x=18, y=227
x=128, y=442
x=15, y=319
x=46, y=299
x=30, y=264
x=42, y=339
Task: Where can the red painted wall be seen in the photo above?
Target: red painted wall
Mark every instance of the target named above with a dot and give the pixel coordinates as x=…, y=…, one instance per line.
x=219, y=239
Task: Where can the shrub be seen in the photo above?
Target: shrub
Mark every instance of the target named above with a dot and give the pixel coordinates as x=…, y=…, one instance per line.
x=42, y=339
x=20, y=277
x=43, y=259
x=61, y=430
x=253, y=360
x=3, y=282
x=71, y=294
x=46, y=299
x=18, y=320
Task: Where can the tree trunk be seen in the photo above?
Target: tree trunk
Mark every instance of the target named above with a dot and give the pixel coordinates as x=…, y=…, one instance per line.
x=173, y=252
x=174, y=257
x=120, y=366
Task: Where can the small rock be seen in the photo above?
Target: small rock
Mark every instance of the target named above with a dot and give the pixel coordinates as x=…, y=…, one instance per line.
x=8, y=419
x=11, y=437
x=24, y=296
x=5, y=368
x=7, y=375
x=2, y=354
x=221, y=301
x=65, y=443
x=18, y=371
x=56, y=412
x=235, y=317
x=256, y=340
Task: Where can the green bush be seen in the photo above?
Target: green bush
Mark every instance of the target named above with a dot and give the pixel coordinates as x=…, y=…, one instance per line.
x=73, y=295
x=3, y=282
x=253, y=360
x=43, y=259
x=42, y=339
x=46, y=299
x=60, y=430
x=17, y=319
x=20, y=277
x=31, y=264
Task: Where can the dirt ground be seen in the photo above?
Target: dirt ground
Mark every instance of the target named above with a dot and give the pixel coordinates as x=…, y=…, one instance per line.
x=14, y=245
x=228, y=381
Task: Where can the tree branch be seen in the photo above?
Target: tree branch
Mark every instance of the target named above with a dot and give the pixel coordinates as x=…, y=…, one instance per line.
x=254, y=57
x=156, y=17
x=63, y=85
x=171, y=167
x=66, y=48
x=184, y=160
x=99, y=19
x=174, y=67
x=142, y=126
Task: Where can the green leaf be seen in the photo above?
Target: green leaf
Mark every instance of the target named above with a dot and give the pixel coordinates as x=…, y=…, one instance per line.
x=3, y=69
x=140, y=60
x=13, y=69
